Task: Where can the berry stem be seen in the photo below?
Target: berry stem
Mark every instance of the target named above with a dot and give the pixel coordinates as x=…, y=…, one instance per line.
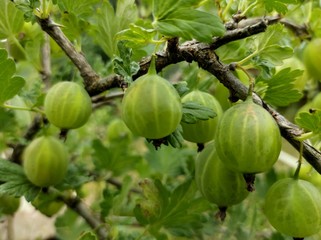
x=23, y=108
x=249, y=178
x=152, y=66
x=221, y=214
x=297, y=171
x=251, y=80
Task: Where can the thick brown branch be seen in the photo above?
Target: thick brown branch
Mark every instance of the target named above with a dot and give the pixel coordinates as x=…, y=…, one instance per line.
x=88, y=74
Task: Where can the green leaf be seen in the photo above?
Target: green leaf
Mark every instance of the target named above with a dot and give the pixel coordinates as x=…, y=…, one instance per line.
x=76, y=176
x=310, y=121
x=280, y=89
x=192, y=112
x=123, y=64
x=88, y=236
x=189, y=24
x=181, y=87
x=108, y=22
x=280, y=6
x=179, y=210
x=269, y=45
x=137, y=36
x=115, y=158
x=7, y=120
x=14, y=181
x=80, y=7
x=11, y=19
x=9, y=85
x=163, y=8
x=27, y=8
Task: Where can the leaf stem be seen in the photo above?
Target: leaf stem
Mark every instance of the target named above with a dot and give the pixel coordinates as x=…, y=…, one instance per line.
x=244, y=60
x=249, y=8
x=23, y=50
x=251, y=80
x=227, y=8
x=304, y=136
x=297, y=171
x=31, y=109
x=310, y=5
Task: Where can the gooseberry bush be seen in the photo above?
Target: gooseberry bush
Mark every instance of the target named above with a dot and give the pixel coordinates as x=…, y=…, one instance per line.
x=172, y=119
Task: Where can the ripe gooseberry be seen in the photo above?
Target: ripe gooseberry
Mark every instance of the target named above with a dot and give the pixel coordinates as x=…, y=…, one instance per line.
x=216, y=182
x=248, y=139
x=293, y=207
x=45, y=161
x=151, y=106
x=67, y=105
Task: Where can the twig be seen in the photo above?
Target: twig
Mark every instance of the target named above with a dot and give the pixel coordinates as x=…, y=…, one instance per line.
x=46, y=61
x=30, y=133
x=86, y=71
x=94, y=222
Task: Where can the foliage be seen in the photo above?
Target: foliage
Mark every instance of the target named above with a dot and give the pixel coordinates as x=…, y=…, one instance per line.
x=124, y=184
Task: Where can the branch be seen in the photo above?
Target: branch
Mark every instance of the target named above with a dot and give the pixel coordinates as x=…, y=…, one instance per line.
x=93, y=83
x=94, y=222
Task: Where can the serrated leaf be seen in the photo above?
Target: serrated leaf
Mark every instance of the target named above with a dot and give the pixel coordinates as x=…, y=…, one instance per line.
x=179, y=210
x=163, y=8
x=269, y=45
x=115, y=158
x=310, y=121
x=9, y=85
x=123, y=64
x=108, y=22
x=14, y=181
x=137, y=36
x=176, y=138
x=80, y=7
x=181, y=88
x=11, y=19
x=76, y=176
x=280, y=89
x=280, y=6
x=193, y=112
x=27, y=8
x=190, y=24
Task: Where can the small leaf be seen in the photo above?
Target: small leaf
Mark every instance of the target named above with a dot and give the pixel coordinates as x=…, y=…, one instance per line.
x=107, y=23
x=178, y=210
x=9, y=85
x=123, y=64
x=27, y=8
x=310, y=121
x=80, y=7
x=192, y=112
x=165, y=7
x=280, y=89
x=14, y=181
x=137, y=36
x=176, y=139
x=181, y=88
x=269, y=45
x=280, y=6
x=76, y=176
x=190, y=24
